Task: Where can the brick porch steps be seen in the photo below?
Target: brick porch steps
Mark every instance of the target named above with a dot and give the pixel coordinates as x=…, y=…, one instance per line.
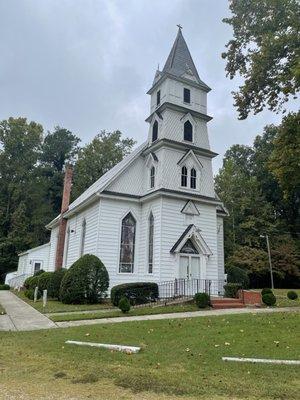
x=223, y=303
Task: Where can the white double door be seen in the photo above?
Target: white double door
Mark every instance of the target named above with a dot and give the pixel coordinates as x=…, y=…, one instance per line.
x=190, y=267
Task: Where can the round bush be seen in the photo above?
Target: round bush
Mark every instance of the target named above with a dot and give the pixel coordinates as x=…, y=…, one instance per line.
x=238, y=275
x=269, y=299
x=266, y=291
x=4, y=287
x=86, y=281
x=55, y=282
x=29, y=293
x=202, y=300
x=124, y=305
x=292, y=295
x=136, y=292
x=44, y=280
x=31, y=282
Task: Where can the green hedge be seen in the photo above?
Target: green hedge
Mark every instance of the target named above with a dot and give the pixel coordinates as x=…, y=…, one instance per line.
x=231, y=290
x=55, y=282
x=29, y=293
x=31, y=282
x=292, y=295
x=265, y=291
x=4, y=287
x=202, y=300
x=86, y=281
x=44, y=280
x=124, y=305
x=135, y=292
x=269, y=299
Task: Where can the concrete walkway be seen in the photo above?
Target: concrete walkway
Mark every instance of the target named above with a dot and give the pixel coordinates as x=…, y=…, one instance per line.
x=191, y=314
x=20, y=316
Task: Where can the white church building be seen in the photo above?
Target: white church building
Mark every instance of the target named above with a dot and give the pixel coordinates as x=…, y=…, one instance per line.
x=155, y=216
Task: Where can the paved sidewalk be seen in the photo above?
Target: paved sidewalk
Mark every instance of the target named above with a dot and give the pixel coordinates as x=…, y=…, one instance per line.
x=20, y=316
x=191, y=314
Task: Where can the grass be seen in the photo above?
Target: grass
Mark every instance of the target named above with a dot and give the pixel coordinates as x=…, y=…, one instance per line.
x=181, y=359
x=132, y=312
x=283, y=301
x=55, y=306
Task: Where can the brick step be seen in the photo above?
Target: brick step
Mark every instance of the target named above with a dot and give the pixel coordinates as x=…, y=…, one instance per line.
x=221, y=306
x=225, y=300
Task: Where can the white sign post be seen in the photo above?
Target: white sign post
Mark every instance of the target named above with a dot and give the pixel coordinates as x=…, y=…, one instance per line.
x=44, y=298
x=35, y=294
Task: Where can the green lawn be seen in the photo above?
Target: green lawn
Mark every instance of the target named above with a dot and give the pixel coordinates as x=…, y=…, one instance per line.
x=133, y=311
x=283, y=301
x=180, y=359
x=55, y=306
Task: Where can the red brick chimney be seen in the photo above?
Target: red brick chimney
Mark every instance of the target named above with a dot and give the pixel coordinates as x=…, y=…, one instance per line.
x=62, y=221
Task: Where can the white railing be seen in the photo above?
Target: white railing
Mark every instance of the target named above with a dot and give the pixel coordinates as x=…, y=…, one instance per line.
x=18, y=281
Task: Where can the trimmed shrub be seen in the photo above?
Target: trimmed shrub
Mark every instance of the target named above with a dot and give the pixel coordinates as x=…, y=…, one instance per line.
x=202, y=300
x=231, y=290
x=124, y=305
x=135, y=292
x=292, y=295
x=44, y=280
x=238, y=275
x=266, y=291
x=31, y=282
x=55, y=282
x=269, y=299
x=29, y=293
x=86, y=281
x=4, y=287
x=39, y=272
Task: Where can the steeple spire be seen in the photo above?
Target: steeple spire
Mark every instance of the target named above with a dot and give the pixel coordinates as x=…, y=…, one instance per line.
x=180, y=61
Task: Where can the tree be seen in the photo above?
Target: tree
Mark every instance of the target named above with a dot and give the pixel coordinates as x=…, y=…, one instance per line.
x=58, y=148
x=284, y=163
x=97, y=157
x=265, y=52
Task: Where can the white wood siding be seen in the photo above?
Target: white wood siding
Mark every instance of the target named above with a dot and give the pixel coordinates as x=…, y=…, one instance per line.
x=53, y=244
x=38, y=254
x=220, y=236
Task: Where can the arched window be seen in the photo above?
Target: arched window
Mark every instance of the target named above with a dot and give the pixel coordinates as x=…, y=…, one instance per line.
x=188, y=131
x=127, y=246
x=155, y=131
x=83, y=231
x=184, y=176
x=150, y=246
x=152, y=177
x=193, y=178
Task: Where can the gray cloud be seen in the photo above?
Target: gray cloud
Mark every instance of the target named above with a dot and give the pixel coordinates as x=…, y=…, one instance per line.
x=86, y=64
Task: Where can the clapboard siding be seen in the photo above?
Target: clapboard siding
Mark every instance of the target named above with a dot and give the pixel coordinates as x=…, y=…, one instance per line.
x=53, y=244
x=39, y=254
x=75, y=226
x=174, y=224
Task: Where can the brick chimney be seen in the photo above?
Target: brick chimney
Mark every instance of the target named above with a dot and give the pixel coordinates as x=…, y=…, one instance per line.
x=63, y=221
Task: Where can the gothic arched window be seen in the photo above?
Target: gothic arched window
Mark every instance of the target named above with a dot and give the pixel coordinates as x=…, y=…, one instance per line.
x=150, y=245
x=188, y=131
x=193, y=178
x=155, y=131
x=184, y=176
x=152, y=177
x=83, y=232
x=127, y=245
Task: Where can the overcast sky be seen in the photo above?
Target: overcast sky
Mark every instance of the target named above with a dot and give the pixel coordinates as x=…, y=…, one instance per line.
x=86, y=64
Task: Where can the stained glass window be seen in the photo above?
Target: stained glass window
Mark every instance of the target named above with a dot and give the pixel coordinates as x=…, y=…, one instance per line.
x=184, y=176
x=189, y=248
x=193, y=178
x=126, y=264
x=152, y=177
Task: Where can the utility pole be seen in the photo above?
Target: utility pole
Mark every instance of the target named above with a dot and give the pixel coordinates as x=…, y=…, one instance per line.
x=270, y=260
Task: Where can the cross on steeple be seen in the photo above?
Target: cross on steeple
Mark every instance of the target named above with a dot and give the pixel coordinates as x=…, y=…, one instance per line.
x=179, y=26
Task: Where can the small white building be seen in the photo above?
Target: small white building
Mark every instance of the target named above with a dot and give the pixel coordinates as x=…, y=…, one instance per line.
x=155, y=215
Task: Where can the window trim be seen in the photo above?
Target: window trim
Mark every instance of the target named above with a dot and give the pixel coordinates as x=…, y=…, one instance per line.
x=154, y=126
x=158, y=98
x=152, y=177
x=184, y=175
x=187, y=90
x=192, y=131
x=82, y=238
x=193, y=178
x=134, y=245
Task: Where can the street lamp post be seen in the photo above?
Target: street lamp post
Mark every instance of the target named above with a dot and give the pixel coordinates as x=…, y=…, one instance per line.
x=270, y=261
